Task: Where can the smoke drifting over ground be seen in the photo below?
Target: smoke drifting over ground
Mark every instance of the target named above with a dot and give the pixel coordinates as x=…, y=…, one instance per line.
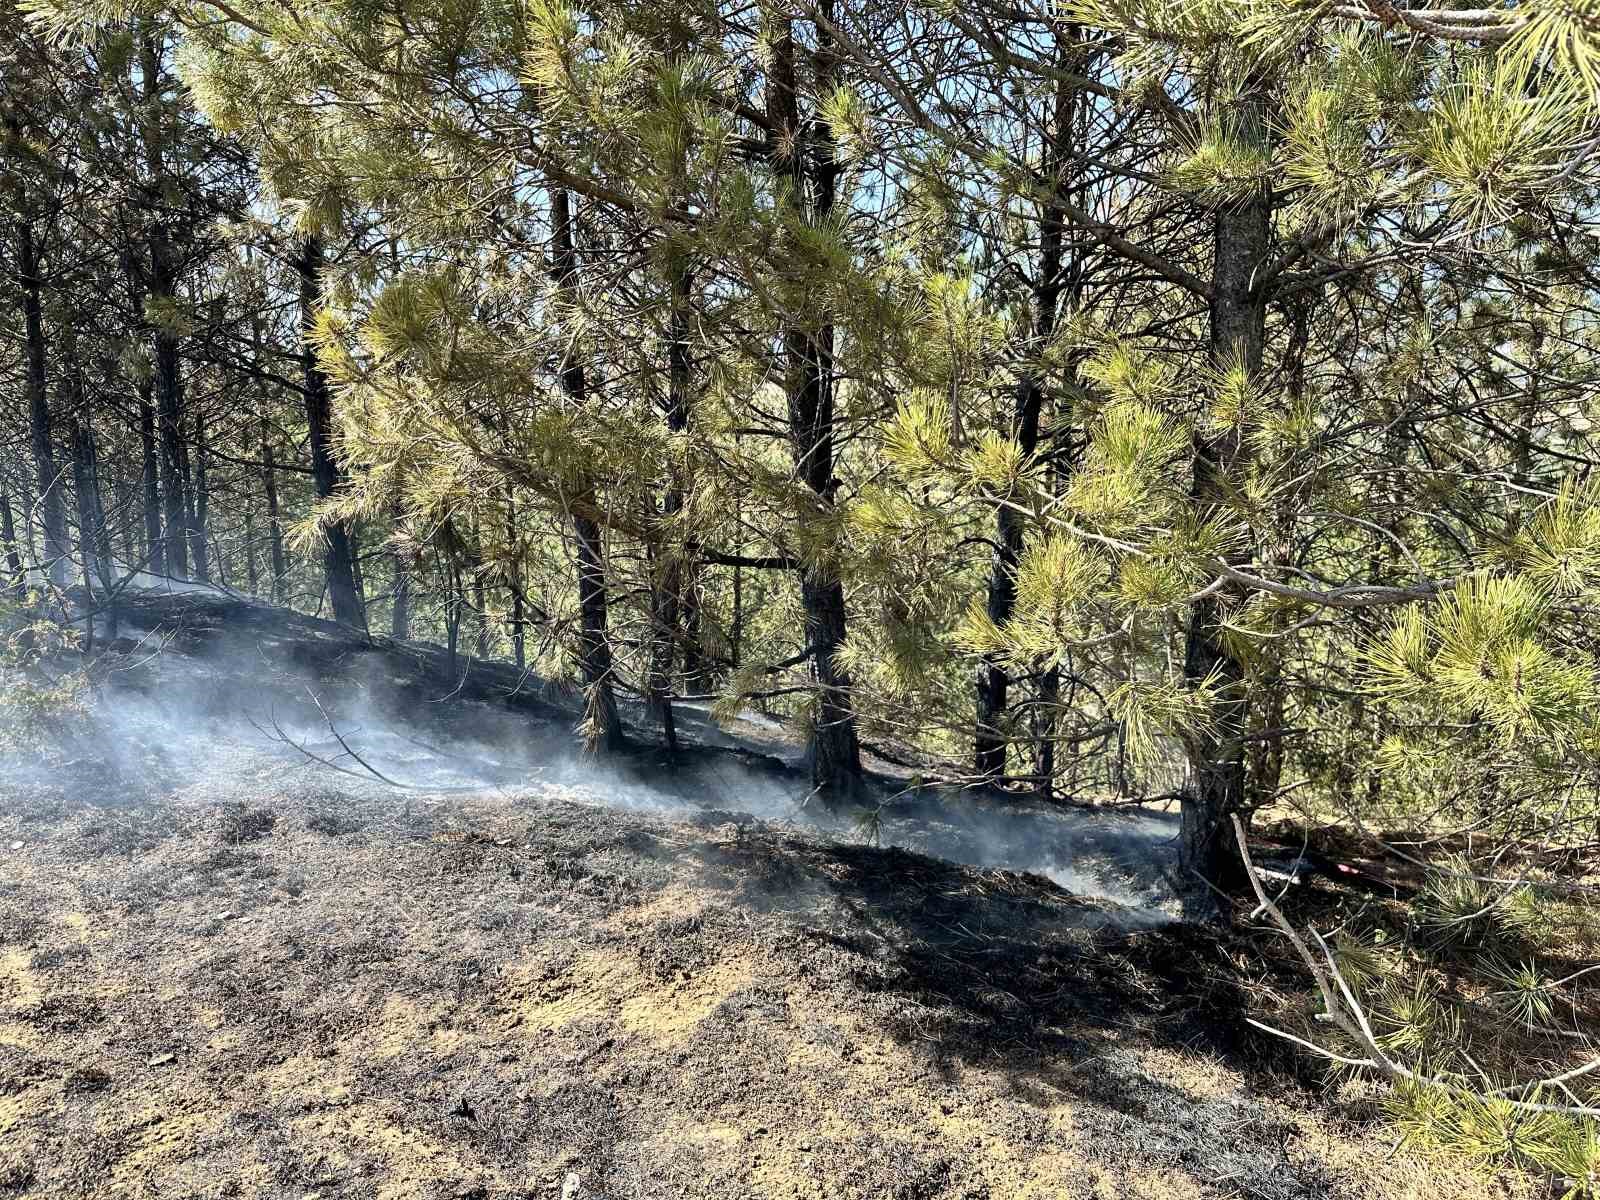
x=228, y=970
x=207, y=684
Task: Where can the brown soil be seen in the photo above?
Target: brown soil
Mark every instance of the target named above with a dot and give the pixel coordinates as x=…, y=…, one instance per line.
x=278, y=982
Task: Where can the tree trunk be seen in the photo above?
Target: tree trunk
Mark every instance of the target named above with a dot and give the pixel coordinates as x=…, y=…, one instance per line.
x=338, y=558
x=803, y=161
x=168, y=367
x=155, y=552
x=602, y=723
x=93, y=544
x=669, y=585
x=400, y=610
x=52, y=507
x=519, y=634
x=252, y=574
x=1216, y=758
x=993, y=684
x=17, y=581
x=269, y=482
x=199, y=513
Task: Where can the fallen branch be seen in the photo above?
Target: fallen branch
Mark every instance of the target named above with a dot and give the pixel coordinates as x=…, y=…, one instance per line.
x=280, y=735
x=1342, y=1008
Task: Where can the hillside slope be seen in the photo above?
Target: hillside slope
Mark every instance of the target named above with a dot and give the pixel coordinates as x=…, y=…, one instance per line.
x=227, y=972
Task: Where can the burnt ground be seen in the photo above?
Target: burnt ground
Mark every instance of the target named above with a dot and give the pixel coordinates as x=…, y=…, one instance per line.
x=227, y=972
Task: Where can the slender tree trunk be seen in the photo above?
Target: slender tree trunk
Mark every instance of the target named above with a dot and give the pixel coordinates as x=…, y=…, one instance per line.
x=670, y=581
x=252, y=573
x=1028, y=399
x=269, y=483
x=168, y=365
x=8, y=534
x=150, y=482
x=803, y=161
x=199, y=512
x=519, y=633
x=52, y=507
x=452, y=615
x=91, y=514
x=1216, y=758
x=400, y=610
x=169, y=402
x=338, y=559
x=602, y=722
x=155, y=551
x=480, y=593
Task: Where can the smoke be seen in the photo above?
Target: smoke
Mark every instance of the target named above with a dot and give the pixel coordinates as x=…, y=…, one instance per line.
x=225, y=700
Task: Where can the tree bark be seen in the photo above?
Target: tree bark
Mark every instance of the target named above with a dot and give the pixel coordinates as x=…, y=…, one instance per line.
x=602, y=723
x=807, y=174
x=338, y=559
x=200, y=511
x=17, y=582
x=52, y=507
x=269, y=483
x=93, y=541
x=669, y=585
x=168, y=365
x=400, y=610
x=1216, y=791
x=993, y=683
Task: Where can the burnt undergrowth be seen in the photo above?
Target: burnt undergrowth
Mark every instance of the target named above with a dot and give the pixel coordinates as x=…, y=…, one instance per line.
x=236, y=969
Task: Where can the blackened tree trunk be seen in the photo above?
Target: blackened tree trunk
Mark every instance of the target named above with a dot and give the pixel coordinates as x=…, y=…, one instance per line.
x=338, y=559
x=93, y=540
x=252, y=574
x=670, y=578
x=52, y=507
x=155, y=552
x=993, y=684
x=519, y=616
x=150, y=482
x=269, y=484
x=200, y=509
x=1216, y=789
x=803, y=161
x=602, y=722
x=400, y=610
x=168, y=364
x=16, y=581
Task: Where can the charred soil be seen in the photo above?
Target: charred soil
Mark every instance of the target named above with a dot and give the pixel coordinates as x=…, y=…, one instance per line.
x=225, y=971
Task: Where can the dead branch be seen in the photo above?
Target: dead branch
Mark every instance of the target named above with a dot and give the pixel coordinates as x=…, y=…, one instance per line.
x=1344, y=1010
x=281, y=736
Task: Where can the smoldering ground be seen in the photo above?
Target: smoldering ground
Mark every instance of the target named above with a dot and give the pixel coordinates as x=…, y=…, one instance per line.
x=204, y=671
x=227, y=970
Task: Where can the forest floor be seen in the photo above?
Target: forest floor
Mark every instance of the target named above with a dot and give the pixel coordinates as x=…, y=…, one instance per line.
x=227, y=972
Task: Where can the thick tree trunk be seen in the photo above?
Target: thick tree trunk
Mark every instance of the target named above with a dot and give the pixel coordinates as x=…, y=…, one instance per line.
x=338, y=559
x=803, y=161
x=602, y=723
x=1216, y=758
x=52, y=507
